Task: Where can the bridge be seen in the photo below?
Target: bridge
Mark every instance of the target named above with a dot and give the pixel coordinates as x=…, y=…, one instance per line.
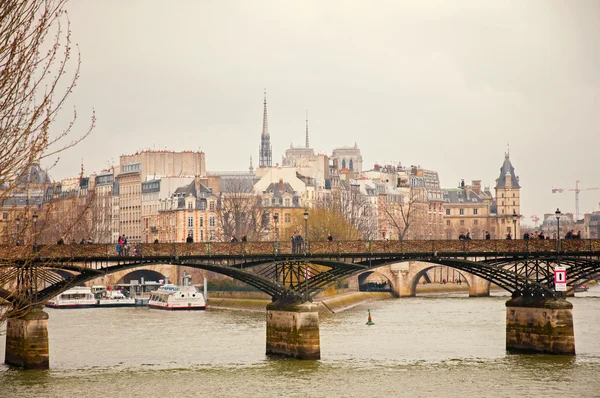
x=539, y=319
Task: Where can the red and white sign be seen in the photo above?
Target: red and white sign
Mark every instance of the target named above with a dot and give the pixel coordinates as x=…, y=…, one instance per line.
x=560, y=279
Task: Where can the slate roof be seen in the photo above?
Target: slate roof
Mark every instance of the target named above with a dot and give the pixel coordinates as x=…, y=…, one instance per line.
x=507, y=168
x=459, y=195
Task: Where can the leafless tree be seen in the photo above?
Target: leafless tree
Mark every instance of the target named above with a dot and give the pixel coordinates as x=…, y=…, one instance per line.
x=355, y=207
x=240, y=210
x=38, y=70
x=408, y=213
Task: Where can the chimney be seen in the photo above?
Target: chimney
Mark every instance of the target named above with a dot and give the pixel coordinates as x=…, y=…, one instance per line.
x=281, y=185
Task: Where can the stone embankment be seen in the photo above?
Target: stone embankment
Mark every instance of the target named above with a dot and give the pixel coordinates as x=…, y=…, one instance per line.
x=330, y=301
x=326, y=305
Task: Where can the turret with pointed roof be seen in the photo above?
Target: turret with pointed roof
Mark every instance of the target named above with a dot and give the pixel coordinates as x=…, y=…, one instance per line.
x=508, y=199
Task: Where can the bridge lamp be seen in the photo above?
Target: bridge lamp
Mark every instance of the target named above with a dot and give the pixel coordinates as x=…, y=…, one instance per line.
x=558, y=214
x=305, y=252
x=305, y=231
x=514, y=219
x=18, y=220
x=35, y=220
x=276, y=220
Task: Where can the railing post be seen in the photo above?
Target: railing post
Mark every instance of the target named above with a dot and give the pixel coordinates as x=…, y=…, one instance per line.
x=208, y=248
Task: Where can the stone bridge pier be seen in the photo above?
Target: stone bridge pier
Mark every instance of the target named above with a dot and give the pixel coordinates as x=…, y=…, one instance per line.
x=405, y=276
x=293, y=330
x=27, y=340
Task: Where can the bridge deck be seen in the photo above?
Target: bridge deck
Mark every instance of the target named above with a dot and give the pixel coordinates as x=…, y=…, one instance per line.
x=326, y=249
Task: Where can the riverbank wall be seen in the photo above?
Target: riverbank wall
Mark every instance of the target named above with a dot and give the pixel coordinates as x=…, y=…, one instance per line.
x=327, y=305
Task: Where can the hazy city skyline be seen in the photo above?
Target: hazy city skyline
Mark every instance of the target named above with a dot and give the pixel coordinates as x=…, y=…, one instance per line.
x=445, y=85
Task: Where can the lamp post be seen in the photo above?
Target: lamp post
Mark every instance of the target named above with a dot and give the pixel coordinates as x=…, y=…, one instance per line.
x=35, y=220
x=18, y=229
x=558, y=214
x=305, y=253
x=514, y=219
x=305, y=231
x=276, y=220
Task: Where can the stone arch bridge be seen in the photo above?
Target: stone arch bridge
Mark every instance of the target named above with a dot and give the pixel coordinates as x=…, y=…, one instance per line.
x=524, y=268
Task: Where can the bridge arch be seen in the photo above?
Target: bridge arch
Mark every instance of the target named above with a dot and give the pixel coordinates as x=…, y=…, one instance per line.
x=375, y=280
x=405, y=275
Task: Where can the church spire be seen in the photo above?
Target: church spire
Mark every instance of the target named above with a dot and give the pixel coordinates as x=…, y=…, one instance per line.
x=264, y=159
x=307, y=129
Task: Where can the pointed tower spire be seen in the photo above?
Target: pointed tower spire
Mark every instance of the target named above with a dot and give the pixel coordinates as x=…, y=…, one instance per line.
x=265, y=129
x=265, y=149
x=307, y=129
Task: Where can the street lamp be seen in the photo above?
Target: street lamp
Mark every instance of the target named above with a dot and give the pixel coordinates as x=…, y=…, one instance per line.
x=276, y=220
x=305, y=231
x=558, y=214
x=306, y=252
x=18, y=229
x=35, y=220
x=514, y=218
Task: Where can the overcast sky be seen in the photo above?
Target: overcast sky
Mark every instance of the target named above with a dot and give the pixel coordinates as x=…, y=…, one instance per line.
x=441, y=84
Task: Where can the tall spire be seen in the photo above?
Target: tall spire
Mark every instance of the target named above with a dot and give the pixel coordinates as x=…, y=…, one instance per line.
x=265, y=129
x=264, y=158
x=307, y=129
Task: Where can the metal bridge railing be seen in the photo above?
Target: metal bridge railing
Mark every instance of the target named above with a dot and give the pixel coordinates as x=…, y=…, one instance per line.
x=335, y=248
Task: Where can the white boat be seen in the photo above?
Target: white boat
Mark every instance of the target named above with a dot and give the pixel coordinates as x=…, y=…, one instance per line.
x=76, y=297
x=113, y=298
x=172, y=297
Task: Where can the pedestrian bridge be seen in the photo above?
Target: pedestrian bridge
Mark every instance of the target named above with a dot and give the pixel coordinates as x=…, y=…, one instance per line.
x=293, y=275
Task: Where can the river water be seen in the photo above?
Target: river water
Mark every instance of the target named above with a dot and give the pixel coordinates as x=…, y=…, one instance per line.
x=444, y=345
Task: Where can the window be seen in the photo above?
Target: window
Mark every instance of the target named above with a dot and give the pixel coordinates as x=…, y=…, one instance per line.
x=201, y=235
x=343, y=163
x=502, y=195
x=201, y=219
x=287, y=202
x=211, y=221
x=502, y=203
x=513, y=202
x=211, y=205
x=266, y=202
x=513, y=194
x=447, y=222
x=190, y=222
x=286, y=217
x=474, y=212
x=191, y=233
x=462, y=212
x=351, y=166
x=447, y=212
x=190, y=205
x=211, y=235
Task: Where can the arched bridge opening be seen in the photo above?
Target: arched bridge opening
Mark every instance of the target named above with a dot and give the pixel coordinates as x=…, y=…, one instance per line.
x=142, y=276
x=373, y=281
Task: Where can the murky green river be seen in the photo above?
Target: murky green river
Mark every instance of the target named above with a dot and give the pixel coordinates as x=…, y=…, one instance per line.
x=449, y=346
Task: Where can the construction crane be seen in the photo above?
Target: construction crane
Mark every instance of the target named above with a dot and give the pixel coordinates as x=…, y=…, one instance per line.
x=535, y=219
x=576, y=190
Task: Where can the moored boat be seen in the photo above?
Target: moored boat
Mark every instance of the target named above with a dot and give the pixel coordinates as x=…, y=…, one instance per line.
x=172, y=297
x=113, y=298
x=76, y=297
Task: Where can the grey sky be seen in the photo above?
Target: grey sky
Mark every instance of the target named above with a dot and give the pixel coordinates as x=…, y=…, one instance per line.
x=442, y=84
